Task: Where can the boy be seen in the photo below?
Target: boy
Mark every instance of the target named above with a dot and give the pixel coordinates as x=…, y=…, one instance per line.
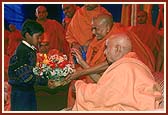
x=21, y=77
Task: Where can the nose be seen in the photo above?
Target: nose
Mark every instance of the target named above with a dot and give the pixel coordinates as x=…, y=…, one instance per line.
x=40, y=13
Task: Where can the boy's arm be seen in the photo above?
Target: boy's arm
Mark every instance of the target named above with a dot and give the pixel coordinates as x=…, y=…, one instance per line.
x=21, y=69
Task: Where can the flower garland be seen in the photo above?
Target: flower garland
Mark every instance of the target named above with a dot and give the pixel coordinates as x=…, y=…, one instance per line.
x=55, y=66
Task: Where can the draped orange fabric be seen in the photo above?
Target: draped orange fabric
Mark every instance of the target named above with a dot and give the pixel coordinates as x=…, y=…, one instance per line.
x=148, y=34
x=126, y=14
x=127, y=85
x=6, y=40
x=14, y=40
x=79, y=29
x=6, y=64
x=160, y=58
x=67, y=20
x=142, y=50
x=56, y=36
x=71, y=95
x=160, y=18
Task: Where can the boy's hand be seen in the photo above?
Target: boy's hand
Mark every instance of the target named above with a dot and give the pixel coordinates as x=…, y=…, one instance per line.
x=51, y=84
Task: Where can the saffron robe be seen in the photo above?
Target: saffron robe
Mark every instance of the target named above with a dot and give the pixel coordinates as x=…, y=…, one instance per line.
x=95, y=55
x=14, y=40
x=6, y=40
x=148, y=34
x=79, y=29
x=56, y=36
x=143, y=52
x=127, y=85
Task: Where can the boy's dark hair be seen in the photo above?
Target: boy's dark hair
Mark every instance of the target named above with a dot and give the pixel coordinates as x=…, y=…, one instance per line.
x=31, y=27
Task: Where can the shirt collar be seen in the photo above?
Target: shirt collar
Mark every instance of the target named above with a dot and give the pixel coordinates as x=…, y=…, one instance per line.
x=27, y=44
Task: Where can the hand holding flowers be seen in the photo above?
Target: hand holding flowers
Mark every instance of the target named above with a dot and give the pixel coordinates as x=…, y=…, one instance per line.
x=54, y=67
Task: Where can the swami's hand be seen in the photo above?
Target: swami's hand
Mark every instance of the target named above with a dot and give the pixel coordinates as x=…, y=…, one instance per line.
x=67, y=80
x=77, y=55
x=72, y=76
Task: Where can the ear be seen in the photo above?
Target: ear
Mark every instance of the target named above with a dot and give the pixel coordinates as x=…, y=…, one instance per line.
x=117, y=50
x=27, y=35
x=120, y=51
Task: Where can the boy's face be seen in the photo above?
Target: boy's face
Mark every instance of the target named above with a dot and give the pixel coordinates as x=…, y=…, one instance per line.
x=34, y=39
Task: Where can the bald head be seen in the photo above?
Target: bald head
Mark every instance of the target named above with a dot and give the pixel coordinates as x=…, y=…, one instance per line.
x=12, y=27
x=90, y=7
x=41, y=8
x=104, y=19
x=41, y=13
x=101, y=25
x=117, y=46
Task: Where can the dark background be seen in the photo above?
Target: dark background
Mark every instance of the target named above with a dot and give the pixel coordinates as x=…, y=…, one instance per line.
x=18, y=13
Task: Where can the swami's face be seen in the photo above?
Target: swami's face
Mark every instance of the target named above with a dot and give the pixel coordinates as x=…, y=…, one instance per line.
x=110, y=51
x=99, y=29
x=69, y=10
x=41, y=13
x=141, y=17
